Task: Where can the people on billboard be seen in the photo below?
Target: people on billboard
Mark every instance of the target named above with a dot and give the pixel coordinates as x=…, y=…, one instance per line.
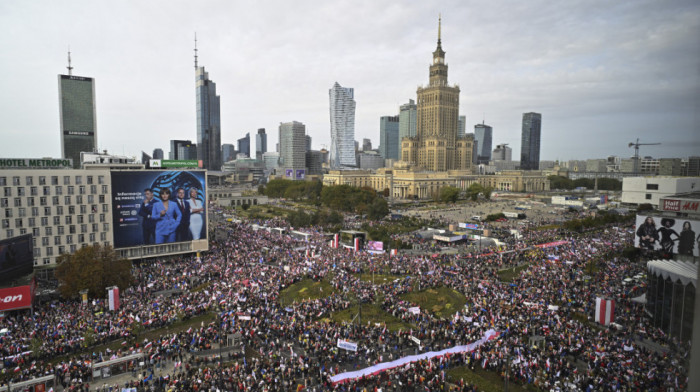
x=196, y=212
x=148, y=225
x=183, y=230
x=648, y=236
x=167, y=218
x=666, y=240
x=686, y=240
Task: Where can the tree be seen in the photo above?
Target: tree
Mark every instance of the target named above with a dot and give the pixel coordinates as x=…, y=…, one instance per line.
x=559, y=182
x=92, y=268
x=449, y=194
x=378, y=209
x=474, y=190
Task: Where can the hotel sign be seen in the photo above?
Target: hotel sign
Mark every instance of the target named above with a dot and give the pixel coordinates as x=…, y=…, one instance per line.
x=28, y=163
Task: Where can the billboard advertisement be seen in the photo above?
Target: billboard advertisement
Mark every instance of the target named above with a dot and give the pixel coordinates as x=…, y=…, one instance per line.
x=471, y=226
x=19, y=297
x=16, y=257
x=375, y=245
x=668, y=235
x=177, y=164
x=156, y=207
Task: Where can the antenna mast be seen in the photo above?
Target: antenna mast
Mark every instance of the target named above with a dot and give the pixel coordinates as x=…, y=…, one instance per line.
x=195, y=51
x=70, y=68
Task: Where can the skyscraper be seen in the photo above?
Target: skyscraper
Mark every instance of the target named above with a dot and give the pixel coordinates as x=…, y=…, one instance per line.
x=389, y=137
x=366, y=144
x=407, y=121
x=208, y=118
x=158, y=153
x=260, y=143
x=228, y=152
x=436, y=146
x=484, y=135
x=342, y=113
x=530, y=141
x=77, y=113
x=293, y=150
x=461, y=126
x=308, y=142
x=244, y=145
x=502, y=153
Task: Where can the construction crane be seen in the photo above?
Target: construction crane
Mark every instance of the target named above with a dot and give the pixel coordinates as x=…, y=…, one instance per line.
x=636, y=153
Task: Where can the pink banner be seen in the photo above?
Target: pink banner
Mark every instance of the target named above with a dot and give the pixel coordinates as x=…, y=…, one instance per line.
x=551, y=244
x=380, y=367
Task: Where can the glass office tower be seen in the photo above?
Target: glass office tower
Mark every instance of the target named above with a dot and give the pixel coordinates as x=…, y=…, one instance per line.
x=77, y=113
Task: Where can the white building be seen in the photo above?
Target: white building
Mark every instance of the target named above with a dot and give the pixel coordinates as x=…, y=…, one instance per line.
x=342, y=113
x=293, y=149
x=640, y=190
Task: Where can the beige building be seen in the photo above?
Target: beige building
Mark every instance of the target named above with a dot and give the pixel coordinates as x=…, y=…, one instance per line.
x=437, y=146
x=406, y=182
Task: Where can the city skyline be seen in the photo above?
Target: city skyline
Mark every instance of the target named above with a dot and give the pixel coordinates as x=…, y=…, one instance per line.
x=596, y=71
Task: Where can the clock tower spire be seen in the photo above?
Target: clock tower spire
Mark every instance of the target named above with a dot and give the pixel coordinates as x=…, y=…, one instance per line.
x=438, y=70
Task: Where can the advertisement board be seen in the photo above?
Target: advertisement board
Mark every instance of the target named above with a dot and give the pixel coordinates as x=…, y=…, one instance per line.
x=471, y=226
x=19, y=297
x=668, y=235
x=178, y=164
x=300, y=174
x=155, y=207
x=16, y=257
x=375, y=245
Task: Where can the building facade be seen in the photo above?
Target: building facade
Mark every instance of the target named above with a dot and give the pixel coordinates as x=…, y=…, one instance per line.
x=483, y=134
x=292, y=149
x=77, y=116
x=244, y=145
x=389, y=137
x=408, y=127
x=502, y=153
x=461, y=126
x=208, y=121
x=642, y=190
x=436, y=146
x=342, y=115
x=158, y=153
x=530, y=141
x=260, y=143
x=182, y=150
x=228, y=152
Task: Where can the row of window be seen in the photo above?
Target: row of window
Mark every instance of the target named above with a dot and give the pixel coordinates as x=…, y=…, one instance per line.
x=61, y=249
x=55, y=200
x=29, y=180
x=60, y=210
x=58, y=190
x=60, y=230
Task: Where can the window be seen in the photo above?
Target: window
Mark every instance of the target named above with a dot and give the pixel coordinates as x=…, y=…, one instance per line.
x=35, y=233
x=10, y=233
x=22, y=231
x=15, y=180
x=47, y=261
x=71, y=190
x=66, y=180
x=80, y=219
x=46, y=190
x=94, y=227
x=104, y=189
x=78, y=200
x=42, y=180
x=105, y=208
x=55, y=200
x=35, y=211
x=652, y=187
x=34, y=191
x=54, y=180
x=43, y=201
x=71, y=229
x=49, y=251
x=81, y=189
x=83, y=209
x=56, y=220
x=8, y=213
x=100, y=179
x=102, y=218
x=48, y=230
x=83, y=228
x=44, y=241
x=4, y=202
x=69, y=219
x=29, y=180
x=105, y=227
x=71, y=210
x=69, y=239
x=103, y=236
x=91, y=199
x=66, y=200
x=61, y=250
x=59, y=210
x=32, y=222
x=5, y=223
x=44, y=221
x=648, y=196
x=91, y=218
x=47, y=211
x=3, y=181
x=89, y=180
x=73, y=248
x=57, y=240
x=22, y=212
x=8, y=191
x=92, y=237
x=30, y=202
x=19, y=222
x=20, y=191
x=78, y=180
x=101, y=199
x=37, y=252
x=59, y=190
x=18, y=202
x=81, y=238
x=93, y=189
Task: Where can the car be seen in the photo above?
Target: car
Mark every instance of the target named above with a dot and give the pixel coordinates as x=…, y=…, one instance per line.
x=501, y=220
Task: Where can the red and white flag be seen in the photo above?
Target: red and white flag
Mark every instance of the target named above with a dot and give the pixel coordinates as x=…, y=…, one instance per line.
x=113, y=298
x=394, y=252
x=357, y=244
x=604, y=311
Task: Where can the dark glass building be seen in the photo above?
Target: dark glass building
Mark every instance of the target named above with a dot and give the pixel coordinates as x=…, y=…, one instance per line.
x=208, y=121
x=530, y=141
x=483, y=135
x=77, y=113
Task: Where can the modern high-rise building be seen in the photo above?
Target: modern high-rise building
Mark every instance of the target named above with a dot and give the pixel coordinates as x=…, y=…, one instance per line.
x=293, y=150
x=158, y=153
x=260, y=143
x=436, y=146
x=182, y=150
x=342, y=113
x=530, y=141
x=308, y=142
x=244, y=145
x=208, y=118
x=484, y=135
x=502, y=153
x=77, y=113
x=461, y=126
x=407, y=121
x=389, y=137
x=366, y=144
x=228, y=152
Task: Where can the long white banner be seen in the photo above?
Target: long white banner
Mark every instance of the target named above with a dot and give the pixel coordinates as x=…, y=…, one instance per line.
x=380, y=367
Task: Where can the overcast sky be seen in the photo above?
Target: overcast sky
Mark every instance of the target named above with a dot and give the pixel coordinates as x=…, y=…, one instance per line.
x=602, y=73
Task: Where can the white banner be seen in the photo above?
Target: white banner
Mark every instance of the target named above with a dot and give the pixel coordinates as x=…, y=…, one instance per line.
x=345, y=345
x=414, y=310
x=380, y=367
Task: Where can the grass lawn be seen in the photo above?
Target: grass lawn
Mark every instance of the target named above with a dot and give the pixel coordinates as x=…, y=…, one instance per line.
x=508, y=274
x=485, y=380
x=262, y=211
x=179, y=326
x=379, y=278
x=305, y=289
x=442, y=301
x=373, y=314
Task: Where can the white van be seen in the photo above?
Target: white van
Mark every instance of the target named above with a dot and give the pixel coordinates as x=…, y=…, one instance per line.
x=476, y=218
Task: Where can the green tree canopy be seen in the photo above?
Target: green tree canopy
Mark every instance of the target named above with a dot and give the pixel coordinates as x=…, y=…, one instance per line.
x=378, y=209
x=449, y=194
x=92, y=268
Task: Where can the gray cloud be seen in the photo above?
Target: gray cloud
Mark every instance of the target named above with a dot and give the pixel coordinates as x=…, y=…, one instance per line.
x=601, y=73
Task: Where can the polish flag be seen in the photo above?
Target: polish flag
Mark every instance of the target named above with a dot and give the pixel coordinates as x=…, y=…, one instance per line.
x=604, y=311
x=113, y=298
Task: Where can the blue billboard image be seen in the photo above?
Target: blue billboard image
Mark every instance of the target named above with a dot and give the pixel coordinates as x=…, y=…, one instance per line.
x=156, y=207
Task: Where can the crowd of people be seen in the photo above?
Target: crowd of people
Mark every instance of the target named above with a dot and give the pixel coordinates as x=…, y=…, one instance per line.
x=294, y=346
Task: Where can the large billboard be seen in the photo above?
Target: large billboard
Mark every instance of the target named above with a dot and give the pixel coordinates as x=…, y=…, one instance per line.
x=16, y=257
x=667, y=235
x=156, y=207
